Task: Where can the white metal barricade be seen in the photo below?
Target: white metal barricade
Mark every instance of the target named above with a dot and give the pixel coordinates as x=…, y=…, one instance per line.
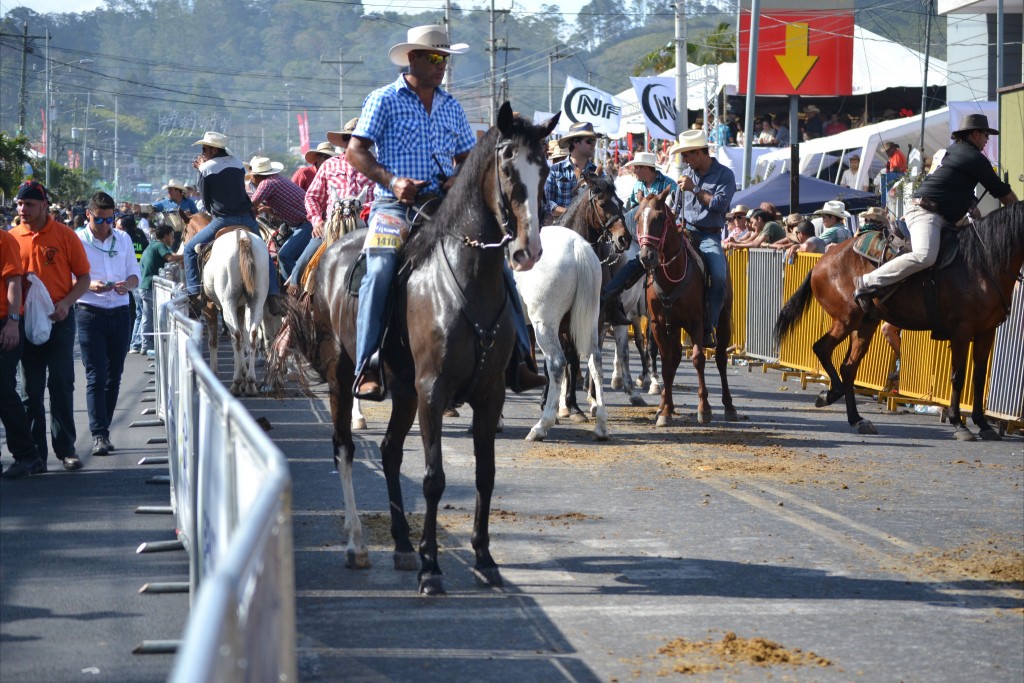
x=764, y=301
x=1006, y=379
x=243, y=623
x=231, y=497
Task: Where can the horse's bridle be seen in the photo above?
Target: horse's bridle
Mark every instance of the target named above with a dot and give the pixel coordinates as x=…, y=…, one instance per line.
x=606, y=228
x=658, y=242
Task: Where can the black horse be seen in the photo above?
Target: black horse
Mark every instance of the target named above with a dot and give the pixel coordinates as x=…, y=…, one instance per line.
x=451, y=334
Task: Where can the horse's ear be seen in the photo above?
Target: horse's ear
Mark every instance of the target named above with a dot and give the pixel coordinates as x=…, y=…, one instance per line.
x=550, y=125
x=505, y=117
x=362, y=195
x=663, y=195
x=591, y=178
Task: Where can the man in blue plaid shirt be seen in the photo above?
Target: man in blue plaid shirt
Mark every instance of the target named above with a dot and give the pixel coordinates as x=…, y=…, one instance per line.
x=420, y=132
x=565, y=176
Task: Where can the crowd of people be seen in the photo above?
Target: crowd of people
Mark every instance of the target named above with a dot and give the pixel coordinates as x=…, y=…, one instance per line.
x=96, y=261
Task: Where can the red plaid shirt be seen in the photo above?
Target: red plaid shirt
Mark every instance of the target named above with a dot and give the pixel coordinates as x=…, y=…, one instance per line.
x=304, y=176
x=335, y=180
x=286, y=199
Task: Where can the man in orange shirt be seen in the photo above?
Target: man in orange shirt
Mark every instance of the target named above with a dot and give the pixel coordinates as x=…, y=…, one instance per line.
x=55, y=254
x=12, y=412
x=897, y=160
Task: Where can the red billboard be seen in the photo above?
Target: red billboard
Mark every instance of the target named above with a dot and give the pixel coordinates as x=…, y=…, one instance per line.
x=799, y=52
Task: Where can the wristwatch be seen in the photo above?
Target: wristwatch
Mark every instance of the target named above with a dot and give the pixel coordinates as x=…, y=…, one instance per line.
x=14, y=316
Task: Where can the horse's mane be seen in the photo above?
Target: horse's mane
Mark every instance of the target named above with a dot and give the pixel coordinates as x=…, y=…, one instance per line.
x=1001, y=238
x=464, y=204
x=601, y=185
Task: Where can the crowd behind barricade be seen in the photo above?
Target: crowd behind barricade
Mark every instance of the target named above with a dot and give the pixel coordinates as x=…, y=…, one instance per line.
x=96, y=260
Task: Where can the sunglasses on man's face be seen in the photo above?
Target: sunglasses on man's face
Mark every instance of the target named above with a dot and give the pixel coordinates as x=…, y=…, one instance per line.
x=109, y=220
x=436, y=59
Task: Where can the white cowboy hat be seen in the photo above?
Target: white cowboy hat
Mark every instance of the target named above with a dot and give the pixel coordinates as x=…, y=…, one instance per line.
x=264, y=166
x=341, y=138
x=176, y=184
x=644, y=159
x=432, y=37
x=213, y=139
x=833, y=208
x=875, y=213
x=555, y=151
x=689, y=139
x=325, y=148
x=738, y=210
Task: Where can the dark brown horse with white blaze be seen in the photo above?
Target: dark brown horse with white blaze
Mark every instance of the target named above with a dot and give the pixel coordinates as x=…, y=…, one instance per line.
x=675, y=301
x=973, y=297
x=450, y=338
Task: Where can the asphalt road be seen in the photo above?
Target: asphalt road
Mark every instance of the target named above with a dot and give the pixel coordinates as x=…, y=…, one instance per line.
x=874, y=553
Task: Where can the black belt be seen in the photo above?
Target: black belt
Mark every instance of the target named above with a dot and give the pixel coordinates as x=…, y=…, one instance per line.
x=99, y=310
x=927, y=204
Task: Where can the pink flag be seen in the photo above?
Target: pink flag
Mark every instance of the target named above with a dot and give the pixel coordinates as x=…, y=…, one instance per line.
x=304, y=132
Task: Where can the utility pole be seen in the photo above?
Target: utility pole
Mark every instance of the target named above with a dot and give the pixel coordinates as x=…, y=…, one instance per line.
x=449, y=76
x=46, y=109
x=553, y=57
x=681, y=114
x=490, y=44
x=85, y=133
x=493, y=51
x=24, y=69
x=117, y=177
x=341, y=83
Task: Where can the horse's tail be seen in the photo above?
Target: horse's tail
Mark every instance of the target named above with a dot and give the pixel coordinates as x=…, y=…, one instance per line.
x=794, y=309
x=587, y=305
x=297, y=333
x=247, y=264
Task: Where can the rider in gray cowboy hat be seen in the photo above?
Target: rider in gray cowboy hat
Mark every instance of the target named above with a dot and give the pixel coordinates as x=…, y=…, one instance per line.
x=945, y=196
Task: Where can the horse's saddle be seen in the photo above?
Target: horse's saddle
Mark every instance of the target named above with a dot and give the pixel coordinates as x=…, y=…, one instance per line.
x=880, y=246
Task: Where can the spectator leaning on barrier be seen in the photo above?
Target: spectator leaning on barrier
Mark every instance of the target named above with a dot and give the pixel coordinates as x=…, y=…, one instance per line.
x=765, y=232
x=12, y=412
x=104, y=321
x=54, y=253
x=805, y=241
x=833, y=220
x=156, y=255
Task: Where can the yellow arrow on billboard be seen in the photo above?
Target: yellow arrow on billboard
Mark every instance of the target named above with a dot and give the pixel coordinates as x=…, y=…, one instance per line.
x=796, y=63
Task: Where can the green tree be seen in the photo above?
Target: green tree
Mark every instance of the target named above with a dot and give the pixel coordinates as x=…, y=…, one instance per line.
x=13, y=155
x=716, y=46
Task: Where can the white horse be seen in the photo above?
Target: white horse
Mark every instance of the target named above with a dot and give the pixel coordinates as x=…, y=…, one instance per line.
x=235, y=279
x=567, y=280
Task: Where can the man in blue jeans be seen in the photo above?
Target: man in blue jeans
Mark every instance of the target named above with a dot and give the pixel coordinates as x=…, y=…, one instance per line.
x=419, y=131
x=104, y=321
x=222, y=187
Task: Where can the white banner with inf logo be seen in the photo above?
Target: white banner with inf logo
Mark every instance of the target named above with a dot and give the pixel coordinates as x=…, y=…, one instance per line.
x=583, y=102
x=657, y=98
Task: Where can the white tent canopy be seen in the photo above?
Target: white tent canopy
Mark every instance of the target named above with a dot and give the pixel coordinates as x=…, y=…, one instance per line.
x=866, y=141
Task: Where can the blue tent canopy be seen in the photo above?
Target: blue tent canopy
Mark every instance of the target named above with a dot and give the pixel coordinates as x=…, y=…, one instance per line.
x=813, y=194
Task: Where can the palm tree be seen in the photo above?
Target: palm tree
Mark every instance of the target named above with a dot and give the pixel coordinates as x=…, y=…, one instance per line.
x=716, y=46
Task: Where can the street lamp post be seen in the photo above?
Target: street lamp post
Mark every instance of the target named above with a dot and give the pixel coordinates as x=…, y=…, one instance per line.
x=288, y=121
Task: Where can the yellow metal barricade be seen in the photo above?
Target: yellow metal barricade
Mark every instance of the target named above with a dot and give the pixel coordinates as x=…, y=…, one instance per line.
x=797, y=349
x=738, y=260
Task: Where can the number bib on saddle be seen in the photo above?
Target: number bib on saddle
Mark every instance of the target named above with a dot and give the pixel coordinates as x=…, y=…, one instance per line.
x=386, y=232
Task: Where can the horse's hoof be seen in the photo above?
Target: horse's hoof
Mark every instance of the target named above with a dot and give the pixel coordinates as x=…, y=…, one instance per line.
x=655, y=390
x=963, y=434
x=536, y=435
x=637, y=400
x=601, y=435
x=563, y=412
x=359, y=424
x=731, y=415
x=617, y=383
x=450, y=412
x=431, y=585
x=822, y=400
x=865, y=427
x=501, y=425
x=488, y=576
x=989, y=435
x=357, y=559
x=578, y=418
x=704, y=416
x=663, y=421
x=406, y=562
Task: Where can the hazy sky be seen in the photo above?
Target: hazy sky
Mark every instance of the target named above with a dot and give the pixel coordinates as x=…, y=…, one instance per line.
x=44, y=6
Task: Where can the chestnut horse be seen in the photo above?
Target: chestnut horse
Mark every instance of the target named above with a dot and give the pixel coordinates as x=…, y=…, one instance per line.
x=450, y=338
x=675, y=301
x=972, y=297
